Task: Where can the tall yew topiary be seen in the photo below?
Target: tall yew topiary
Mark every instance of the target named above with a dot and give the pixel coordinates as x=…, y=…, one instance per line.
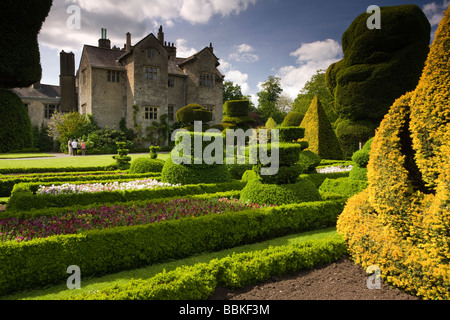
x=401, y=222
x=379, y=66
x=20, y=66
x=319, y=133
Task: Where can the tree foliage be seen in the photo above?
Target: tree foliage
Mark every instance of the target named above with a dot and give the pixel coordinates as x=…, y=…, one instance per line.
x=267, y=99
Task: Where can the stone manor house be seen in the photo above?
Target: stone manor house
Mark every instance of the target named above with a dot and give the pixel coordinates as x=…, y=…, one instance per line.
x=137, y=83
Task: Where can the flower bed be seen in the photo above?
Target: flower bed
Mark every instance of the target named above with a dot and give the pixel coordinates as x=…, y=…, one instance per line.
x=100, y=187
x=15, y=229
x=334, y=169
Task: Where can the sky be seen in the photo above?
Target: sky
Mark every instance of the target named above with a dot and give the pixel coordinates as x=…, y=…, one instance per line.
x=254, y=39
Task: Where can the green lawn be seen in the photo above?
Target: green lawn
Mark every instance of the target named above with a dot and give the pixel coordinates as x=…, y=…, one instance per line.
x=61, y=292
x=24, y=155
x=88, y=161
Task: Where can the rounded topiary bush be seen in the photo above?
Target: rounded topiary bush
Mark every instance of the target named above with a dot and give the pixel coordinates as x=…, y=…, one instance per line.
x=302, y=191
x=309, y=161
x=16, y=132
x=292, y=119
x=192, y=113
x=194, y=174
x=144, y=165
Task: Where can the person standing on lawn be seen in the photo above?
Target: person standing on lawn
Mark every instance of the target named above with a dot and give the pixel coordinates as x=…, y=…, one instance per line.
x=69, y=144
x=83, y=148
x=75, y=147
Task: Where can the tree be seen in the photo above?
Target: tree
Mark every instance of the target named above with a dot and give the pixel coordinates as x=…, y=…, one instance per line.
x=232, y=91
x=65, y=126
x=316, y=86
x=267, y=99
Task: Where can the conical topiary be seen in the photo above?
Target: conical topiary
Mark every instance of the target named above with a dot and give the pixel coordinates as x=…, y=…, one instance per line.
x=401, y=222
x=319, y=133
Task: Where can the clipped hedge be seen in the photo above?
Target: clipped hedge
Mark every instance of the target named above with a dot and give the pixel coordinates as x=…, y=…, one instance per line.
x=199, y=282
x=236, y=108
x=343, y=186
x=291, y=134
x=292, y=119
x=42, y=262
x=192, y=113
x=23, y=199
x=145, y=165
x=279, y=194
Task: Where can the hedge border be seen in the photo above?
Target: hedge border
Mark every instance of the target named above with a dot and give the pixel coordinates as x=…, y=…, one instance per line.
x=23, y=199
x=42, y=262
x=200, y=281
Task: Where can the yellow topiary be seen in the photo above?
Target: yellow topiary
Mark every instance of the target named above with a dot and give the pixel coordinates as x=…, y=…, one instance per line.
x=401, y=222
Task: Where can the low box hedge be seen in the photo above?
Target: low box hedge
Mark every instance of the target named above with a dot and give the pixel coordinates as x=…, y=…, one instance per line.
x=23, y=197
x=200, y=281
x=41, y=262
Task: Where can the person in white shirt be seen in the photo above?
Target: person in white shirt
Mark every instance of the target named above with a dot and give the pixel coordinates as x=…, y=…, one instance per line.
x=74, y=147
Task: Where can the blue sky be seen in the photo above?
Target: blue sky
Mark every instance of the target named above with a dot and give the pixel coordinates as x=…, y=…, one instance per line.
x=254, y=39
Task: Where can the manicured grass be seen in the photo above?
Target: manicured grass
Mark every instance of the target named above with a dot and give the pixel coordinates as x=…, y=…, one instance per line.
x=92, y=284
x=24, y=155
x=77, y=162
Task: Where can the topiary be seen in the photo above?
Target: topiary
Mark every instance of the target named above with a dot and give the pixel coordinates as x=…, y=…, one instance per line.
x=144, y=165
x=16, y=132
x=257, y=192
x=193, y=174
x=401, y=221
x=192, y=113
x=293, y=119
x=379, y=66
x=235, y=112
x=122, y=158
x=361, y=160
x=20, y=23
x=320, y=134
x=291, y=134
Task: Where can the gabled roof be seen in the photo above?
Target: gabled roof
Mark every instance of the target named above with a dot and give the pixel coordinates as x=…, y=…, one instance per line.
x=103, y=58
x=195, y=57
x=44, y=92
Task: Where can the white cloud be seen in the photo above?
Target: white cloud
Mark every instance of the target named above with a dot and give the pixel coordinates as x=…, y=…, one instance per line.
x=244, y=54
x=435, y=11
x=122, y=16
x=235, y=76
x=311, y=57
x=183, y=49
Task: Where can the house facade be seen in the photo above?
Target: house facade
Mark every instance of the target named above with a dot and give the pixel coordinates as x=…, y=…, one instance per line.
x=142, y=83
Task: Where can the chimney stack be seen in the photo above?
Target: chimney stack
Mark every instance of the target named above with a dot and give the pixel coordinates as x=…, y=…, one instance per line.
x=69, y=99
x=104, y=42
x=128, y=43
x=161, y=35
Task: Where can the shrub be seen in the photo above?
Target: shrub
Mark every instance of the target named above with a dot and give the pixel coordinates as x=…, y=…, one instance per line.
x=301, y=191
x=320, y=134
x=144, y=165
x=291, y=134
x=122, y=158
x=293, y=119
x=309, y=161
x=236, y=108
x=343, y=186
x=199, y=282
x=400, y=222
x=16, y=132
x=19, y=50
x=379, y=66
x=193, y=174
x=192, y=113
